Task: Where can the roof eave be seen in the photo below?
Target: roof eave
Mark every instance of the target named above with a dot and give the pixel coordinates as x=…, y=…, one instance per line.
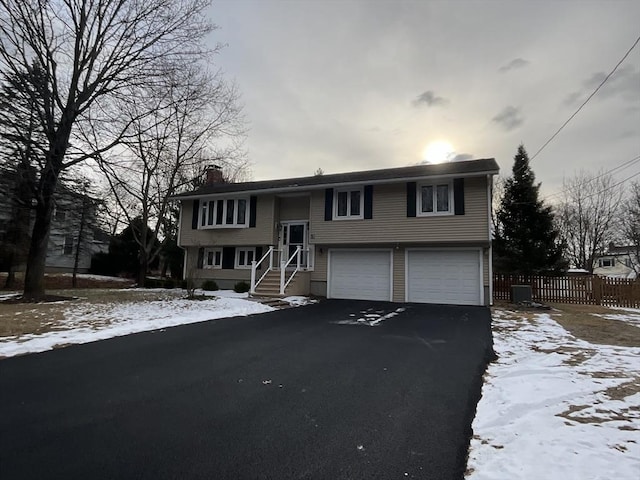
x=320, y=186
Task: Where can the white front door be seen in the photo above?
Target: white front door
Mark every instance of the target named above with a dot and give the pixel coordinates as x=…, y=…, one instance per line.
x=294, y=235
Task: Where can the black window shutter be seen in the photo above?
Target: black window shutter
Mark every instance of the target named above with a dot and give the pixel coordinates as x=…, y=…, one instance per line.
x=253, y=203
x=194, y=214
x=368, y=201
x=411, y=199
x=228, y=257
x=200, y=256
x=328, y=204
x=258, y=256
x=458, y=196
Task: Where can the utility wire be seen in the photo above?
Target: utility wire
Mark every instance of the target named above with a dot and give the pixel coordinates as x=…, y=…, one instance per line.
x=587, y=100
x=612, y=186
x=622, y=166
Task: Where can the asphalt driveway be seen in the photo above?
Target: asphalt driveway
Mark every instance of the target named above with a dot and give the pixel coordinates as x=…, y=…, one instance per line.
x=307, y=392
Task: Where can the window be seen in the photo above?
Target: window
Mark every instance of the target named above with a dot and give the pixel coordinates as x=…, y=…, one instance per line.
x=244, y=257
x=435, y=199
x=60, y=214
x=212, y=258
x=67, y=248
x=224, y=213
x=606, y=262
x=348, y=204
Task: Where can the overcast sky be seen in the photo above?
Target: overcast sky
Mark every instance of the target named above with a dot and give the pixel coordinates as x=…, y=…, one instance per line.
x=356, y=85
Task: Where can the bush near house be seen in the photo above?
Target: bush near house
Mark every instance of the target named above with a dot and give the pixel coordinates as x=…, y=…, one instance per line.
x=241, y=287
x=210, y=285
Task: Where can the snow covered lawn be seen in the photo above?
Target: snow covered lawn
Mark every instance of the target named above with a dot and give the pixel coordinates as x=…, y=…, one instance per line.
x=101, y=314
x=555, y=406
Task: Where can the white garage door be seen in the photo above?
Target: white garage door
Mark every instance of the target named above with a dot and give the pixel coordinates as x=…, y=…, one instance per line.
x=360, y=274
x=441, y=276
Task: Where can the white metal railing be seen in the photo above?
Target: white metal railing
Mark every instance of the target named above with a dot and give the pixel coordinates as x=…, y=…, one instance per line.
x=254, y=267
x=297, y=255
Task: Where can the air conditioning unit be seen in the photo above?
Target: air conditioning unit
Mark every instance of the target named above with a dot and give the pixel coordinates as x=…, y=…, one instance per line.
x=520, y=293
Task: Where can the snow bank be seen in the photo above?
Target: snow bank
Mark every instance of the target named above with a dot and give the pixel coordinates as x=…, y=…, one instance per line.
x=88, y=322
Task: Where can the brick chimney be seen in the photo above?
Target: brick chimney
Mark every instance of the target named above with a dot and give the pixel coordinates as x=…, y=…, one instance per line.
x=214, y=175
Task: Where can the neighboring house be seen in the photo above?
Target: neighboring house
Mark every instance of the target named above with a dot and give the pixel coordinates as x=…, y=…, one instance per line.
x=416, y=234
x=616, y=262
x=73, y=228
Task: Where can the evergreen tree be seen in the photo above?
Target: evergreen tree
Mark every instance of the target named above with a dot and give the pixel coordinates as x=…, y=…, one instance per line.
x=526, y=240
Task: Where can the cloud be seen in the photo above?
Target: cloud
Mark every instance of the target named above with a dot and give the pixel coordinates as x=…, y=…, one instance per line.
x=509, y=118
x=430, y=99
x=514, y=64
x=623, y=83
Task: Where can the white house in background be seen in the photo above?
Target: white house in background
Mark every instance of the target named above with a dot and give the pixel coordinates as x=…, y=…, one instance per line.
x=73, y=227
x=616, y=262
x=416, y=234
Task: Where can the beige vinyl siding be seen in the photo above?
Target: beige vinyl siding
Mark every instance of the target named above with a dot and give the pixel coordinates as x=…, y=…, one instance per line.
x=391, y=224
x=262, y=234
x=319, y=272
x=398, y=275
x=293, y=208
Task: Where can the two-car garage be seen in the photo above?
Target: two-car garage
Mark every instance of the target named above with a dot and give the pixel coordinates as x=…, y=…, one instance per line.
x=451, y=276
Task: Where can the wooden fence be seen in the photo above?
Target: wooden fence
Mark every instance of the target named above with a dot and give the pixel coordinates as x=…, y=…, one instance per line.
x=587, y=289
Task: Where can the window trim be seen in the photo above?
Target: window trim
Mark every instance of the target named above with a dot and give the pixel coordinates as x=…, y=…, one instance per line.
x=435, y=213
x=213, y=251
x=203, y=214
x=70, y=245
x=236, y=263
x=348, y=216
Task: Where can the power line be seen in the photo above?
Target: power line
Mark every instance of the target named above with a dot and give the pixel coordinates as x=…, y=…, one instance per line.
x=587, y=100
x=612, y=186
x=622, y=166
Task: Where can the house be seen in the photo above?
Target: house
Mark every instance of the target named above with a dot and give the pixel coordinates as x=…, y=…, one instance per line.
x=416, y=234
x=616, y=262
x=73, y=228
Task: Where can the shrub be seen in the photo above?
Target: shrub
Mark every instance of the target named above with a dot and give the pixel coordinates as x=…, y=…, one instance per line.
x=241, y=287
x=209, y=285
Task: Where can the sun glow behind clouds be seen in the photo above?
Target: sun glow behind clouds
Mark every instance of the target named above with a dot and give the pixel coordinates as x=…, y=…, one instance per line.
x=438, y=152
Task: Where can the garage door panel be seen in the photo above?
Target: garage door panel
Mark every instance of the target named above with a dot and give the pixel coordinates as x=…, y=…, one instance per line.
x=360, y=275
x=443, y=277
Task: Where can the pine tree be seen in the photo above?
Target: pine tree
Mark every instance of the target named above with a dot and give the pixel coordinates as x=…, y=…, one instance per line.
x=526, y=240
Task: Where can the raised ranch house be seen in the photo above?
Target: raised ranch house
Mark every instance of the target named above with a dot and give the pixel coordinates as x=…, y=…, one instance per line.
x=414, y=234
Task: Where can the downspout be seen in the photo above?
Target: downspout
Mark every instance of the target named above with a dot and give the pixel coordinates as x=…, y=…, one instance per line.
x=490, y=211
x=186, y=252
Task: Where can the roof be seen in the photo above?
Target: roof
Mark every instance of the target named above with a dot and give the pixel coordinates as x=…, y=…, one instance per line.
x=486, y=166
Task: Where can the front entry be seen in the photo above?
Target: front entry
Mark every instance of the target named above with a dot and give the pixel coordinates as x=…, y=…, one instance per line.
x=294, y=234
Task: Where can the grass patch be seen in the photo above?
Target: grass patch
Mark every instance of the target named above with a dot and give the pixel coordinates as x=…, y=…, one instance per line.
x=35, y=318
x=583, y=322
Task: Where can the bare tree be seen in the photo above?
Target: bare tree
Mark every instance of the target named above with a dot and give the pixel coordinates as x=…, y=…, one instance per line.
x=89, y=52
x=587, y=216
x=171, y=128
x=630, y=225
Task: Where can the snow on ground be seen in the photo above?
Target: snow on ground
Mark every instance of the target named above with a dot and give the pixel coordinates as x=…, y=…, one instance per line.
x=89, y=276
x=298, y=301
x=556, y=407
x=87, y=322
x=369, y=317
x=632, y=317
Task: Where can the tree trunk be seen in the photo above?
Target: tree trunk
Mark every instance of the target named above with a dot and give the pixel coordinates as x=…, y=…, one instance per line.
x=76, y=260
x=34, y=276
x=142, y=270
x=10, y=283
